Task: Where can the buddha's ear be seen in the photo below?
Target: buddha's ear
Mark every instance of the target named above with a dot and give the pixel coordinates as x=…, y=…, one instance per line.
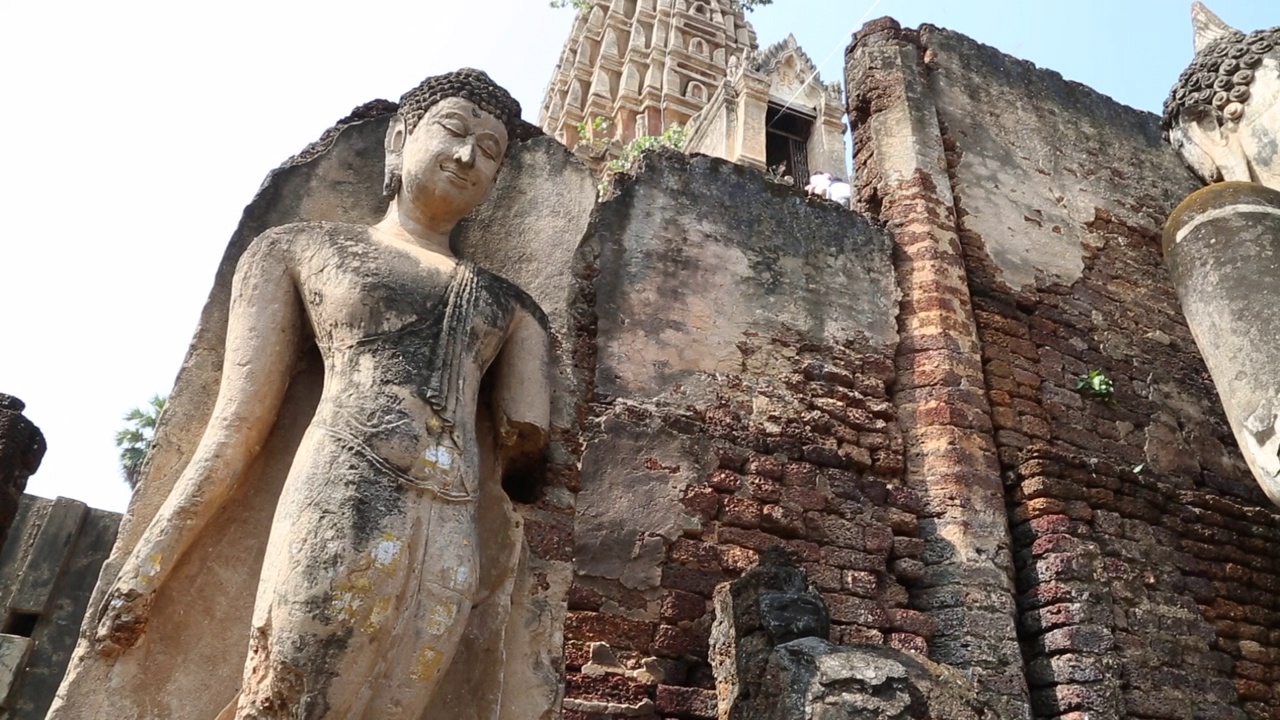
x=1203, y=127
x=396, y=134
x=394, y=145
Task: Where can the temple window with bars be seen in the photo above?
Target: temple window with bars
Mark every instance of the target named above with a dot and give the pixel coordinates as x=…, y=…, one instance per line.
x=787, y=142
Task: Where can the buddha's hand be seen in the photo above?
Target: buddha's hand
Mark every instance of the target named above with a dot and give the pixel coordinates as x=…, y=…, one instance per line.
x=122, y=618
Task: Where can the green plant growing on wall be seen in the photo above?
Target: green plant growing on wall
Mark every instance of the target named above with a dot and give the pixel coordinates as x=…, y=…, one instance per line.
x=673, y=137
x=581, y=6
x=594, y=133
x=135, y=440
x=1096, y=385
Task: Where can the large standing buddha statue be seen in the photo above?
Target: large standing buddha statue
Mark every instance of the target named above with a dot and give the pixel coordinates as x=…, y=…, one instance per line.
x=1222, y=244
x=433, y=372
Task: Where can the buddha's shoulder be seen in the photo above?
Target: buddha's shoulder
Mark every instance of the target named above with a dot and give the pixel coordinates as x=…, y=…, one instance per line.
x=513, y=293
x=293, y=234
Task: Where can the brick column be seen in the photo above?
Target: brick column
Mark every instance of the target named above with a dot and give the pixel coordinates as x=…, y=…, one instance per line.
x=940, y=394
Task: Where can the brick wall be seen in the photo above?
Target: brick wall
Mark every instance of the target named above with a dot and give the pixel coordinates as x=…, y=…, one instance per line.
x=1144, y=579
x=744, y=342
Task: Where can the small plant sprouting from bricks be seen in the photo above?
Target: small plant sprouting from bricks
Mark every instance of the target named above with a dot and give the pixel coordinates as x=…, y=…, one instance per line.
x=595, y=133
x=1096, y=385
x=673, y=137
x=582, y=6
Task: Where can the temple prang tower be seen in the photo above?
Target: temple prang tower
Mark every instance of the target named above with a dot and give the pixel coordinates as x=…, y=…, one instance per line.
x=645, y=66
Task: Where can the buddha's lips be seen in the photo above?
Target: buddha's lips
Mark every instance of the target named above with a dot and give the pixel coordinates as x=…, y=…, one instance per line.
x=457, y=175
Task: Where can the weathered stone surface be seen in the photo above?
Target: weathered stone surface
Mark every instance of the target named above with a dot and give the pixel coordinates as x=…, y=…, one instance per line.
x=1037, y=208
x=643, y=465
x=48, y=568
x=771, y=604
x=1219, y=245
x=737, y=404
x=1030, y=177
x=13, y=658
x=766, y=266
x=788, y=616
x=22, y=447
x=811, y=679
x=49, y=553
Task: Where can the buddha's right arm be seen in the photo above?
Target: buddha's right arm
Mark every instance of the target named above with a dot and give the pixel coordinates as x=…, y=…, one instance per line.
x=263, y=328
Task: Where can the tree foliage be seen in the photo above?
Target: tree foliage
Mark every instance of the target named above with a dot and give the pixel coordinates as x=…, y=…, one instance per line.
x=134, y=440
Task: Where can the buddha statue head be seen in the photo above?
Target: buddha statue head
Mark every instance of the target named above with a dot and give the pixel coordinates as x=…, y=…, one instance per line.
x=1223, y=115
x=448, y=140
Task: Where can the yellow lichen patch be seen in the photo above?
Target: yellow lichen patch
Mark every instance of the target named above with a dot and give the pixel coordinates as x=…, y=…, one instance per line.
x=428, y=663
x=151, y=567
x=378, y=614
x=440, y=618
x=346, y=605
x=351, y=596
x=360, y=599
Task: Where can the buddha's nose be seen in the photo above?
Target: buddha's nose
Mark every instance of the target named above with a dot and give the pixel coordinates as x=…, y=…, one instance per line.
x=466, y=155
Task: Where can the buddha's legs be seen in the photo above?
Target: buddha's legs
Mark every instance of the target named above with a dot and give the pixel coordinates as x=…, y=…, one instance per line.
x=363, y=598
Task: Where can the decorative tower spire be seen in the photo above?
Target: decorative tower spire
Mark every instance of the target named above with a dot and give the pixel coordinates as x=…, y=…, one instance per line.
x=642, y=66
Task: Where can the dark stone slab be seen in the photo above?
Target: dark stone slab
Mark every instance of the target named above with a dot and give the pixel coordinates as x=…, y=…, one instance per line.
x=48, y=569
x=53, y=544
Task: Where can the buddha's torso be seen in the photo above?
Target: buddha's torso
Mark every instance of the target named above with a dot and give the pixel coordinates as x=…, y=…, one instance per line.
x=405, y=342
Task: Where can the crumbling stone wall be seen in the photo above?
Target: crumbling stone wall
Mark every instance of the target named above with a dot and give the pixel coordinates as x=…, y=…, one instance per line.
x=773, y=661
x=1142, y=551
x=742, y=350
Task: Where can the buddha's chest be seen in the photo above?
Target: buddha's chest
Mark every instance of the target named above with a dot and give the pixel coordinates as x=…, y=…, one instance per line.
x=361, y=294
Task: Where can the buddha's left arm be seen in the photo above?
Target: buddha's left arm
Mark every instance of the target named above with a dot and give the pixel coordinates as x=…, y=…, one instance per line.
x=521, y=393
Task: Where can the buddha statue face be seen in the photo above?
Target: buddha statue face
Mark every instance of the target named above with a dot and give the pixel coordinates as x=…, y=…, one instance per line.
x=448, y=162
x=1223, y=116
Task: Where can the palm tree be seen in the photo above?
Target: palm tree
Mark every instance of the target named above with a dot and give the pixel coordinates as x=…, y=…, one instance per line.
x=135, y=440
